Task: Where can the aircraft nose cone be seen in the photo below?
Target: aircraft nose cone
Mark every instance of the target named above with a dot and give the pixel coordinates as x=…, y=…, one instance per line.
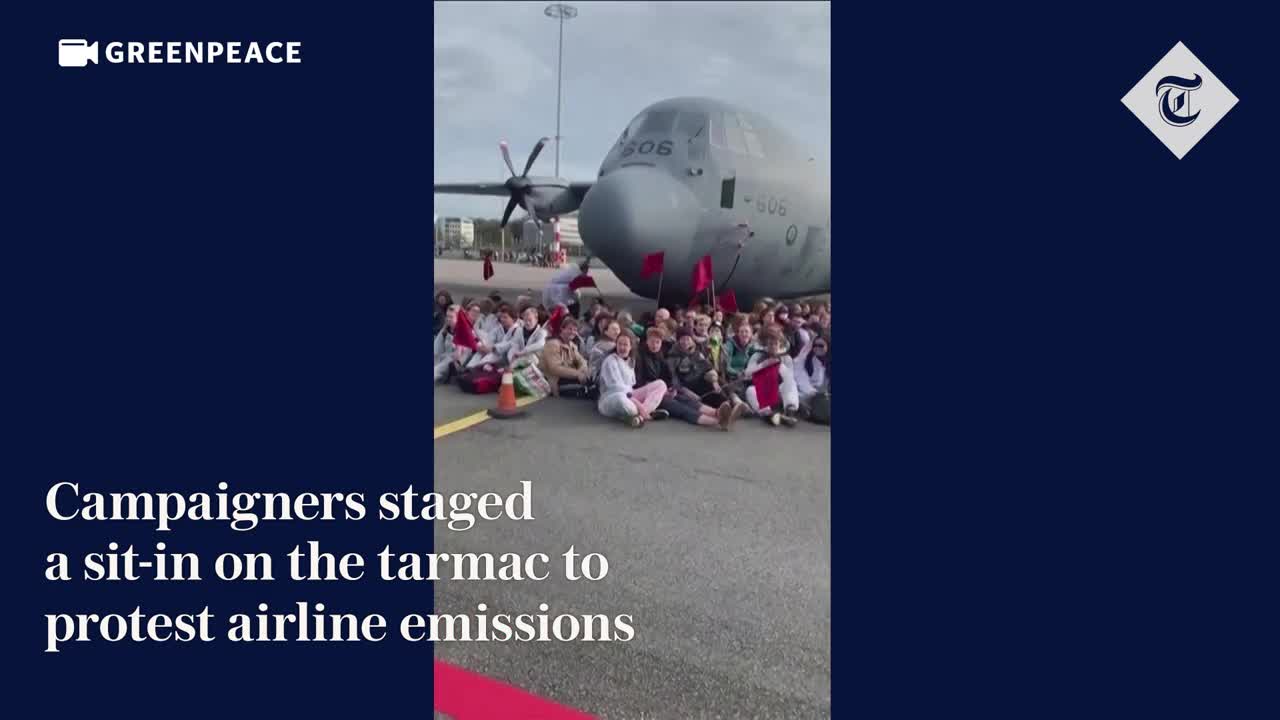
x=635, y=211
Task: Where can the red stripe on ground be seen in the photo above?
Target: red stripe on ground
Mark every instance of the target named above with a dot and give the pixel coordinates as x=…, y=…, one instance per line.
x=464, y=695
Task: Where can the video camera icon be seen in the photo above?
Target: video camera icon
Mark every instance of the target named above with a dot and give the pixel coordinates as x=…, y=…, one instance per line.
x=77, y=53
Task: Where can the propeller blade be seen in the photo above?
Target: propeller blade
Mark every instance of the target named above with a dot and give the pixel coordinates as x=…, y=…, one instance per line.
x=528, y=207
x=533, y=156
x=506, y=155
x=511, y=206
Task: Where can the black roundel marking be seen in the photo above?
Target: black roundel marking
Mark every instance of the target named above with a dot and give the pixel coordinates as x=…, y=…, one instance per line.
x=791, y=235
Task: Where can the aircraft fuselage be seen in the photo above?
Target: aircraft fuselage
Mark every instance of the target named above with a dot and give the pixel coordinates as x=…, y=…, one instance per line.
x=685, y=177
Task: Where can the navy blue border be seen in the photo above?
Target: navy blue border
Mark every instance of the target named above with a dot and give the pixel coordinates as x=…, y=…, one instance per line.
x=219, y=273
x=1057, y=361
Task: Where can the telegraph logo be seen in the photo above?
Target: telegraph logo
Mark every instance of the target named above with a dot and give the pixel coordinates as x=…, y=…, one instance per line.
x=77, y=53
x=1179, y=89
x=1179, y=100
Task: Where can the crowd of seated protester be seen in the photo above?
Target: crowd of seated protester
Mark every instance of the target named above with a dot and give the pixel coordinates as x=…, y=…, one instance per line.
x=698, y=365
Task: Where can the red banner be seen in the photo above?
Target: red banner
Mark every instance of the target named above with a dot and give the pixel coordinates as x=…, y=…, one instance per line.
x=701, y=275
x=464, y=695
x=652, y=265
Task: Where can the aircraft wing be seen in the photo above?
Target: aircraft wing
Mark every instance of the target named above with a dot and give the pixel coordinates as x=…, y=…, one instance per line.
x=498, y=189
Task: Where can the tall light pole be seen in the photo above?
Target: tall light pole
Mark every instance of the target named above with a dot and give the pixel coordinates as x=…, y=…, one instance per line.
x=561, y=12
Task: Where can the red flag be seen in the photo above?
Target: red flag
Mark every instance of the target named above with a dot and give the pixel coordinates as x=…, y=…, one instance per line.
x=466, y=695
x=727, y=301
x=702, y=274
x=582, y=281
x=463, y=334
x=652, y=265
x=488, y=268
x=766, y=384
x=553, y=322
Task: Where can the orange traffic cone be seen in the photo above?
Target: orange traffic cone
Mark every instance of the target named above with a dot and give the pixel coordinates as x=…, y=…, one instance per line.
x=506, y=400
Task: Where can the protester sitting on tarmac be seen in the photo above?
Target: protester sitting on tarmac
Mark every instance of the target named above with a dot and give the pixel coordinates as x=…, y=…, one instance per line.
x=739, y=348
x=692, y=373
x=619, y=398
x=491, y=350
x=522, y=356
x=715, y=350
x=566, y=369
x=794, y=333
x=488, y=318
x=473, y=312
x=443, y=301
x=812, y=368
x=628, y=323
x=774, y=353
x=701, y=330
x=780, y=315
x=595, y=332
x=598, y=306
x=652, y=365
x=603, y=345
x=444, y=352
x=669, y=329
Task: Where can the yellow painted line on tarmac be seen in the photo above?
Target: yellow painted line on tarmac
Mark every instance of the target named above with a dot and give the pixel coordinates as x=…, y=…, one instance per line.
x=473, y=419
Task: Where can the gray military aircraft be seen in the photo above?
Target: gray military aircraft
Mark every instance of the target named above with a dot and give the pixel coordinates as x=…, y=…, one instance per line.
x=691, y=177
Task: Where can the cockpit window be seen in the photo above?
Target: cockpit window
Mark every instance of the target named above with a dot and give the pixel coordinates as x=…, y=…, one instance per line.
x=658, y=122
x=633, y=128
x=734, y=132
x=692, y=125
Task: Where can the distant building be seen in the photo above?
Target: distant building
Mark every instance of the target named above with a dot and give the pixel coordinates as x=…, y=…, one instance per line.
x=570, y=240
x=455, y=233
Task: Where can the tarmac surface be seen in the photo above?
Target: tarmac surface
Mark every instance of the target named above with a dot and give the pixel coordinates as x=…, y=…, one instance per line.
x=718, y=547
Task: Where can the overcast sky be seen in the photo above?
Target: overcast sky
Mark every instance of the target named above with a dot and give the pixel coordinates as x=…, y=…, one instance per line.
x=495, y=78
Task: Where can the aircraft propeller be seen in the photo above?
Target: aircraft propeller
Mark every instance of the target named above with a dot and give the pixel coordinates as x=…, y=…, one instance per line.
x=519, y=185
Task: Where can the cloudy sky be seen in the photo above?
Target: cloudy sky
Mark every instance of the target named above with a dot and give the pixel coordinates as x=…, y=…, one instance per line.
x=495, y=78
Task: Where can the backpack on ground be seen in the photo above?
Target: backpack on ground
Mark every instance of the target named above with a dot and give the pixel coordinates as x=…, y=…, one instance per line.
x=479, y=381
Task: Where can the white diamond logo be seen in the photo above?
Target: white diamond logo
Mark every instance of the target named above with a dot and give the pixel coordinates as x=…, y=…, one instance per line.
x=1179, y=100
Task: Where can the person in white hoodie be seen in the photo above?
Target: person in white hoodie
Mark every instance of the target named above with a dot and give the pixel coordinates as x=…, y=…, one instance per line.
x=775, y=353
x=557, y=292
x=522, y=355
x=619, y=398
x=445, y=355
x=812, y=368
x=495, y=344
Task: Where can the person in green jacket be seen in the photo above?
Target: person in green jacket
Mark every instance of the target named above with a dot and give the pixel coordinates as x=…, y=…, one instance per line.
x=738, y=349
x=626, y=321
